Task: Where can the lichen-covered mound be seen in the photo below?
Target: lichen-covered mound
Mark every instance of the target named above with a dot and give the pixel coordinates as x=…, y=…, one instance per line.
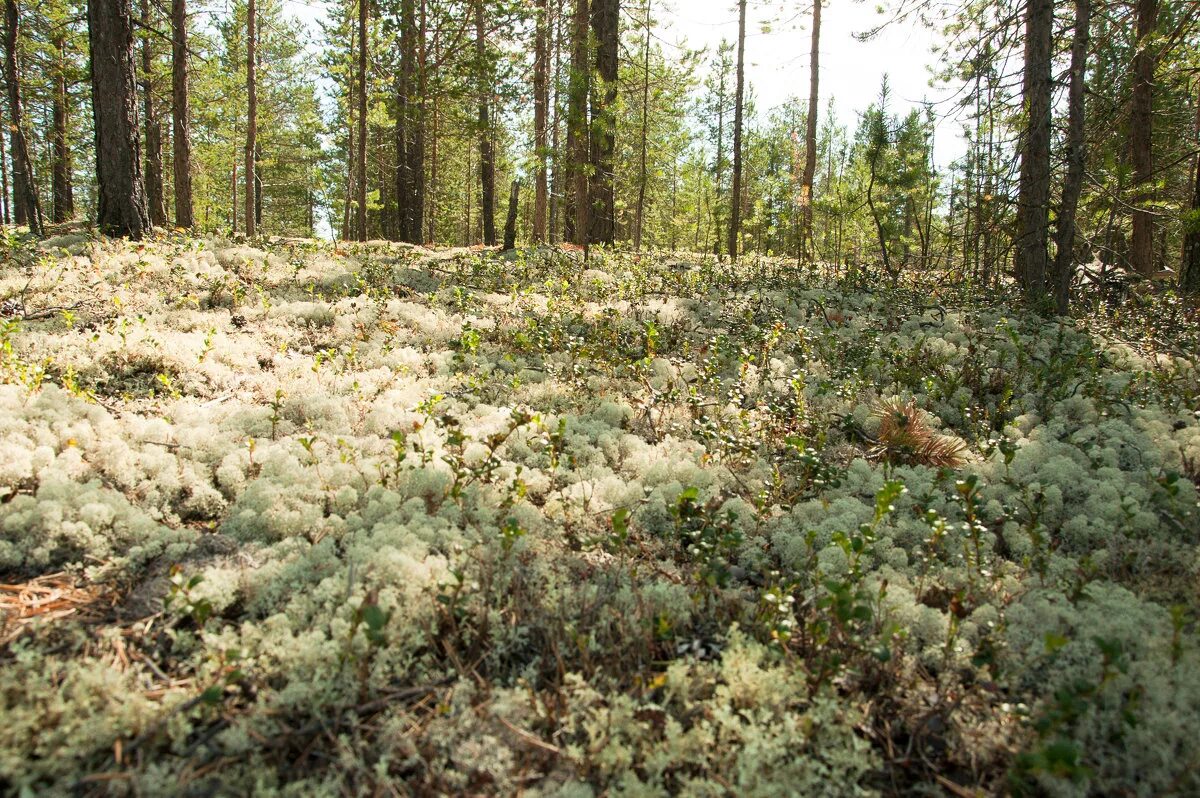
x=378, y=520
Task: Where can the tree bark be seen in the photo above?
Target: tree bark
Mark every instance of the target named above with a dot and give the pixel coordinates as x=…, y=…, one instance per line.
x=416, y=153
x=1032, y=255
x=251, y=112
x=4, y=203
x=510, y=221
x=606, y=20
x=122, y=197
x=719, y=171
x=1141, y=121
x=1189, y=273
x=487, y=150
x=155, y=202
x=258, y=181
x=810, y=136
x=360, y=199
x=640, y=212
x=735, y=194
x=578, y=133
x=181, y=116
x=64, y=196
x=26, y=204
x=1064, y=261
x=541, y=101
x=403, y=127
x=556, y=188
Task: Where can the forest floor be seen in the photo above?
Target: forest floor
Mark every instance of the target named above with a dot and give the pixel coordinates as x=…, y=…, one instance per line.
x=369, y=519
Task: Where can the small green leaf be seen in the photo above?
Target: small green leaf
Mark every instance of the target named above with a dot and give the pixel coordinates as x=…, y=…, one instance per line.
x=374, y=617
x=1054, y=642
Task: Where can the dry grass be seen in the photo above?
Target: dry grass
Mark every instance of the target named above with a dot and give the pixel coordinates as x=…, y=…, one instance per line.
x=47, y=598
x=905, y=437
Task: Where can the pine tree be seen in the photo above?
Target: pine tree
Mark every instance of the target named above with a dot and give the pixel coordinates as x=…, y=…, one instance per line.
x=122, y=200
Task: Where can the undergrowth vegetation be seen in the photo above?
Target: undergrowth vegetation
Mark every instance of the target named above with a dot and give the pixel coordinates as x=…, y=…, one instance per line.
x=381, y=520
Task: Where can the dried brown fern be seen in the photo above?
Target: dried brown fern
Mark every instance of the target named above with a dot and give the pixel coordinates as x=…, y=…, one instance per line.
x=905, y=437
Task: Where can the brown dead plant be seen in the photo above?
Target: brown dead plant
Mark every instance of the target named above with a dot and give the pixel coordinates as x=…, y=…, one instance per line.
x=907, y=438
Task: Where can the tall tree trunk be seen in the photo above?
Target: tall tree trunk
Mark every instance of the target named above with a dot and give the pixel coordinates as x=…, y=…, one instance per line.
x=467, y=205
x=251, y=112
x=434, y=176
x=643, y=145
x=4, y=202
x=403, y=127
x=416, y=152
x=360, y=199
x=510, y=221
x=155, y=203
x=235, y=199
x=181, y=116
x=810, y=135
x=1076, y=148
x=735, y=195
x=541, y=101
x=556, y=187
x=26, y=204
x=719, y=178
x=64, y=196
x=487, y=148
x=122, y=195
x=1033, y=201
x=1189, y=273
x=606, y=21
x=1141, y=120
x=578, y=132
x=258, y=178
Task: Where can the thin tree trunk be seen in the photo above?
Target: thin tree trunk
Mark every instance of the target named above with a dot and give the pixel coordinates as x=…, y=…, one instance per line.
x=403, y=126
x=431, y=224
x=258, y=181
x=510, y=221
x=1141, y=120
x=1189, y=273
x=235, y=199
x=556, y=188
x=643, y=144
x=487, y=152
x=810, y=133
x=181, y=116
x=64, y=197
x=417, y=150
x=1076, y=148
x=251, y=112
x=879, y=232
x=578, y=132
x=606, y=20
x=360, y=210
x=26, y=204
x=4, y=202
x=1033, y=201
x=735, y=194
x=155, y=203
x=720, y=166
x=541, y=99
x=468, y=206
x=122, y=197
